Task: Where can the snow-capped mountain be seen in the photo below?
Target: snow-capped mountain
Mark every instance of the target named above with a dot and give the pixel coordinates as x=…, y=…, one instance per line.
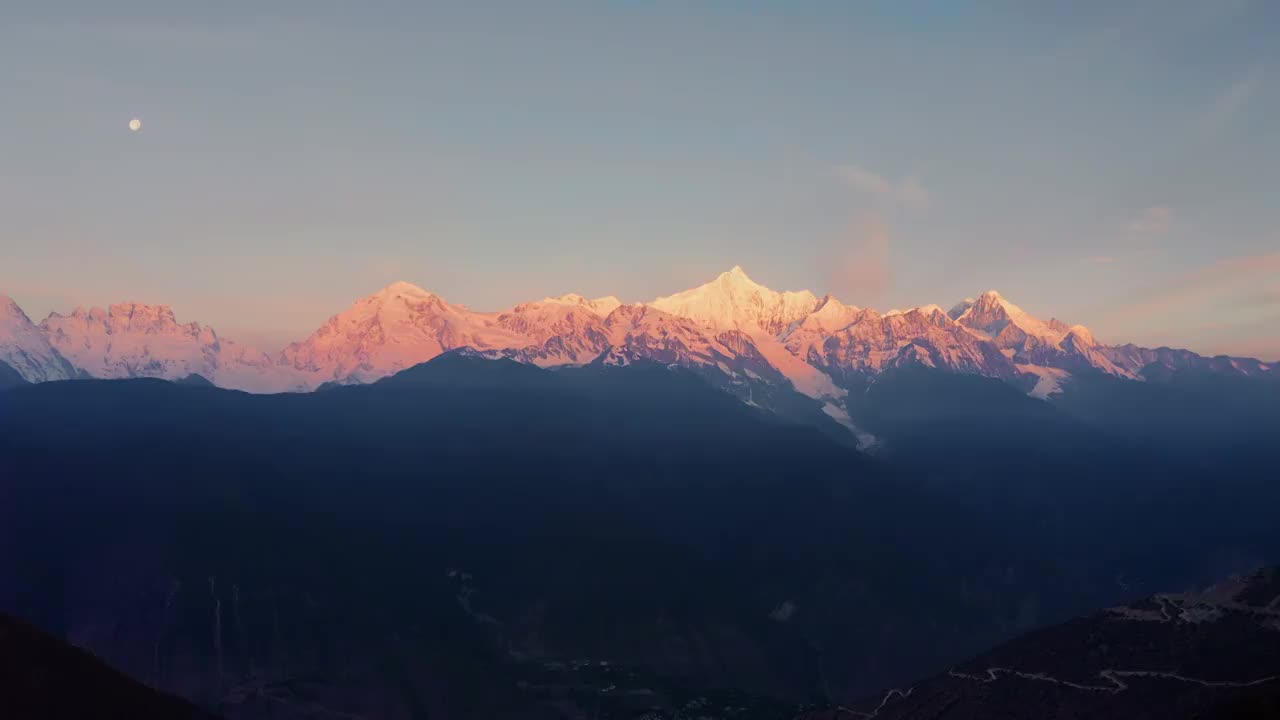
x=393, y=329
x=733, y=301
x=1009, y=326
x=403, y=325
x=131, y=340
x=567, y=330
x=1029, y=340
x=641, y=331
x=737, y=302
x=872, y=343
x=741, y=335
x=25, y=349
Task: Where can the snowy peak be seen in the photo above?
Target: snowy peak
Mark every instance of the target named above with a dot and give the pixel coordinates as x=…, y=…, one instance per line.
x=1079, y=334
x=920, y=336
x=601, y=306
x=10, y=309
x=401, y=288
x=129, y=340
x=735, y=301
x=127, y=317
x=24, y=347
x=732, y=329
x=995, y=318
x=395, y=328
x=829, y=316
x=644, y=331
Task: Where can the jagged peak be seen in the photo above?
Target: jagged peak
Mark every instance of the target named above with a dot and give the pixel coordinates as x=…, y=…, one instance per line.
x=733, y=300
x=601, y=306
x=137, y=308
x=922, y=309
x=631, y=311
x=830, y=315
x=988, y=301
x=829, y=305
x=10, y=307
x=961, y=307
x=738, y=277
x=126, y=311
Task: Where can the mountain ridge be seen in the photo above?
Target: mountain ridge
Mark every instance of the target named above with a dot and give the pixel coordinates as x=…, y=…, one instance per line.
x=731, y=327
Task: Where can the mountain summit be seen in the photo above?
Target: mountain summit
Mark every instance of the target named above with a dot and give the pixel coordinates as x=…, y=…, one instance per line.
x=26, y=349
x=735, y=301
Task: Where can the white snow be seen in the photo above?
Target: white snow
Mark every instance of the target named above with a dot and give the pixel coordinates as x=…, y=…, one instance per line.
x=27, y=350
x=732, y=324
x=806, y=378
x=391, y=330
x=735, y=301
x=866, y=441
x=1049, y=380
x=601, y=306
x=135, y=340
x=1020, y=318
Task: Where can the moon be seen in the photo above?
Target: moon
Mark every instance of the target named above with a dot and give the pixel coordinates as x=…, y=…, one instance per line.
x=135, y=124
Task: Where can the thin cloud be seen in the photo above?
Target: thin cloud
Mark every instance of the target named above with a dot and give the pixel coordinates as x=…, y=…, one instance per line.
x=1151, y=222
x=1232, y=100
x=908, y=192
x=1227, y=306
x=1239, y=282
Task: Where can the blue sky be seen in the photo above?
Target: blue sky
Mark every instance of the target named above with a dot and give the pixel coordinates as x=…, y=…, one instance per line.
x=1115, y=164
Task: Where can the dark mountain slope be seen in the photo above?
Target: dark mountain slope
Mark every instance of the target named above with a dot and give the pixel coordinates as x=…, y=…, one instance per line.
x=10, y=377
x=1211, y=654
x=214, y=543
x=437, y=545
x=1144, y=485
x=43, y=678
x=1193, y=415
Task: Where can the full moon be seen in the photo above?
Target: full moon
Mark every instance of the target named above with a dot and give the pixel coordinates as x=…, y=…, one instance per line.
x=135, y=124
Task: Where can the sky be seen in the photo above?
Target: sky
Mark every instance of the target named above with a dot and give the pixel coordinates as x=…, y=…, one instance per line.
x=1115, y=164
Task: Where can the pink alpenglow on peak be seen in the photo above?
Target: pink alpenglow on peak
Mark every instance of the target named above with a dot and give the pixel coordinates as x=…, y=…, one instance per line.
x=732, y=327
x=601, y=306
x=26, y=349
x=393, y=329
x=137, y=340
x=734, y=300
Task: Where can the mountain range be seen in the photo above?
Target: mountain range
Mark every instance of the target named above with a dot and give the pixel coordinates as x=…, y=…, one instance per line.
x=792, y=353
x=744, y=337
